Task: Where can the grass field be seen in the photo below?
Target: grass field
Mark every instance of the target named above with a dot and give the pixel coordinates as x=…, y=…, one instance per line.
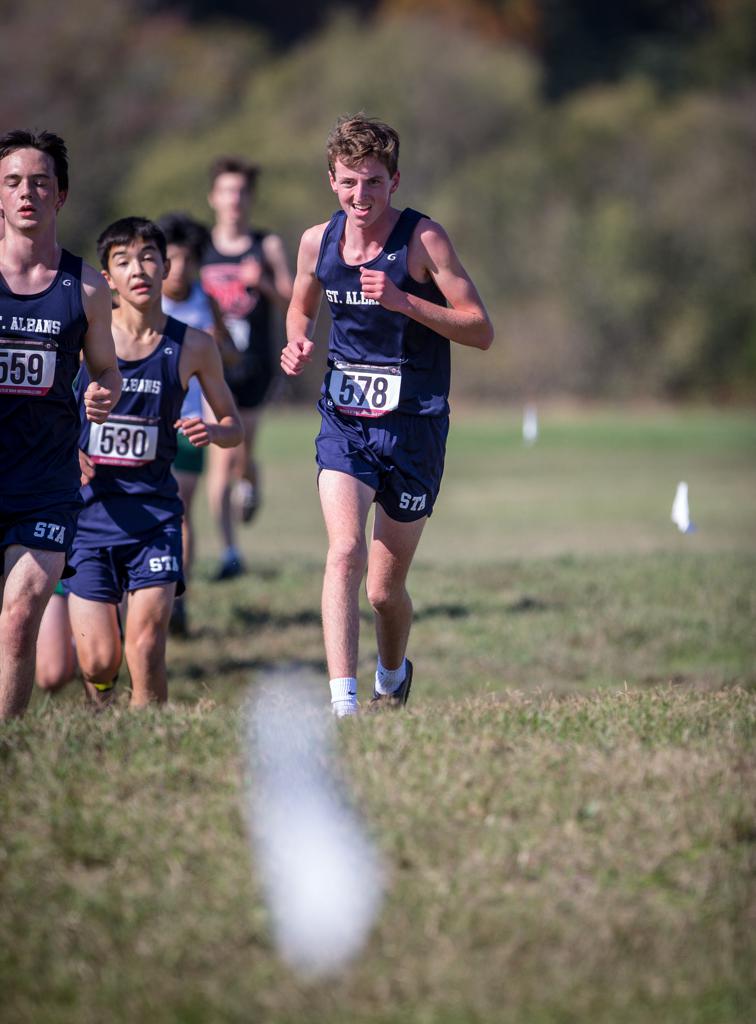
x=567, y=812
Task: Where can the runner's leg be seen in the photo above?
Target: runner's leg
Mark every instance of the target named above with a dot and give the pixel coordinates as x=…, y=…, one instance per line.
x=345, y=502
x=56, y=654
x=30, y=578
x=98, y=645
x=146, y=635
x=392, y=549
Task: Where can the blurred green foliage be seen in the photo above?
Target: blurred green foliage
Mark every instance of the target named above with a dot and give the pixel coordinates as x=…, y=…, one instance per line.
x=611, y=231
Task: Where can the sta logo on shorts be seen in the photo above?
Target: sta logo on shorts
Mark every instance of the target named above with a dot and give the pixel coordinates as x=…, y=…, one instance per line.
x=164, y=563
x=415, y=502
x=50, y=531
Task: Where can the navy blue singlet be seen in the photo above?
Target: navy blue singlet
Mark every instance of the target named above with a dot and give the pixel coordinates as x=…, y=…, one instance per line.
x=133, y=490
x=363, y=331
x=246, y=311
x=41, y=338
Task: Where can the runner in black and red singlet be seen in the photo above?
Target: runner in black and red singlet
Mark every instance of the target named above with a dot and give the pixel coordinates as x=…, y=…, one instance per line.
x=245, y=270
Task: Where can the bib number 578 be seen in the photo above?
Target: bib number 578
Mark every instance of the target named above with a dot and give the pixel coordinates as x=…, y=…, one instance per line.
x=364, y=390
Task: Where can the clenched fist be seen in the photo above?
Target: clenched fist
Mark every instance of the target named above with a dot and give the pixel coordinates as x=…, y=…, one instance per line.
x=297, y=353
x=98, y=402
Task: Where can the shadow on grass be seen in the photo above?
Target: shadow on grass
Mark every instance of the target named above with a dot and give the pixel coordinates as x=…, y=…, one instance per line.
x=196, y=670
x=282, y=620
x=529, y=604
x=442, y=611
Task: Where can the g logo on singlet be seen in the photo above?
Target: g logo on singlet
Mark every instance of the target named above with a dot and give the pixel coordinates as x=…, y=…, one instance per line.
x=168, y=350
x=391, y=256
x=67, y=282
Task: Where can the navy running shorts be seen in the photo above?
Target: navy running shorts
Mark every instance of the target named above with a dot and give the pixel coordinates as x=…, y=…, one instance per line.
x=50, y=529
x=400, y=456
x=106, y=573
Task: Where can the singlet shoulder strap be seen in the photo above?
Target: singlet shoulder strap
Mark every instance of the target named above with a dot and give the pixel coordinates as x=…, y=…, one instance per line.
x=400, y=236
x=175, y=330
x=335, y=224
x=70, y=264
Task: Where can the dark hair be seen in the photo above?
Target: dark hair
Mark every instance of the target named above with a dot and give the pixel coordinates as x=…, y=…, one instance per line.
x=45, y=142
x=181, y=229
x=234, y=165
x=128, y=230
x=355, y=137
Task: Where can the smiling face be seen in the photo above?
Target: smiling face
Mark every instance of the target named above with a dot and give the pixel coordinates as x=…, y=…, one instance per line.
x=364, y=190
x=29, y=193
x=136, y=271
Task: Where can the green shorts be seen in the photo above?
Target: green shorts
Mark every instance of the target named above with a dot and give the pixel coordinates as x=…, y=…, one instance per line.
x=189, y=459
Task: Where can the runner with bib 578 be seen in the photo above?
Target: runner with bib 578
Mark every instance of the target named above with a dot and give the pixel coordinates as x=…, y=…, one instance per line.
x=397, y=292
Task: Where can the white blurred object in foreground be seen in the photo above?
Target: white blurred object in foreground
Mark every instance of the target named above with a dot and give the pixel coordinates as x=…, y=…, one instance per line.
x=530, y=424
x=320, y=874
x=680, y=510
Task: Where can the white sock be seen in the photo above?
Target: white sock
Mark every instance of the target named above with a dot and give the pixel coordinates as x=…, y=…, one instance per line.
x=388, y=680
x=344, y=696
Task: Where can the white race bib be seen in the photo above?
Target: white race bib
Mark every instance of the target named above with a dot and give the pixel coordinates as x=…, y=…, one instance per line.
x=359, y=390
x=26, y=367
x=123, y=441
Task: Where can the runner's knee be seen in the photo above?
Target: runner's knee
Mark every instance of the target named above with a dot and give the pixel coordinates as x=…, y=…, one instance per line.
x=384, y=595
x=100, y=660
x=99, y=666
x=147, y=641
x=347, y=557
x=52, y=677
x=20, y=625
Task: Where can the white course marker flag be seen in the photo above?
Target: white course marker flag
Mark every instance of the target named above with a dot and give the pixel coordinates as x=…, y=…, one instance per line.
x=530, y=424
x=680, y=511
x=320, y=874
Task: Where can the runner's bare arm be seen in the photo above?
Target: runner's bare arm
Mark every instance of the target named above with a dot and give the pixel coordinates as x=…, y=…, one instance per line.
x=229, y=354
x=276, y=284
x=99, y=350
x=200, y=356
x=305, y=301
x=465, y=319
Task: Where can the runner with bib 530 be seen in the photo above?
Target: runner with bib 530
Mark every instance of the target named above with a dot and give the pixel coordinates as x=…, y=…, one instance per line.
x=129, y=534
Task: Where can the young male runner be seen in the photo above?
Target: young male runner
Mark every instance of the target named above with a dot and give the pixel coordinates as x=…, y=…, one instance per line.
x=397, y=291
x=129, y=532
x=185, y=299
x=52, y=306
x=246, y=271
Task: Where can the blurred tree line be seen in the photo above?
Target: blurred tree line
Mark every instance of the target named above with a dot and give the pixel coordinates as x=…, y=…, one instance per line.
x=593, y=162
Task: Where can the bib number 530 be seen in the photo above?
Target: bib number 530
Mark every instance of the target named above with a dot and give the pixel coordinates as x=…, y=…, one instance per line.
x=122, y=442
